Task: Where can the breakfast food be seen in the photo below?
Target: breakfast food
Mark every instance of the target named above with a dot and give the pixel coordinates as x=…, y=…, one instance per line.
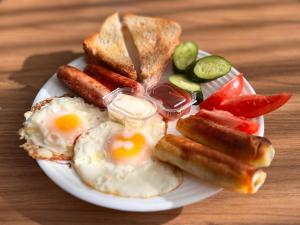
x=228, y=120
x=155, y=40
x=108, y=47
x=250, y=149
x=52, y=126
x=208, y=68
x=231, y=99
x=83, y=85
x=117, y=161
x=190, y=70
x=251, y=106
x=209, y=164
x=139, y=50
x=182, y=82
x=184, y=55
x=232, y=88
x=111, y=79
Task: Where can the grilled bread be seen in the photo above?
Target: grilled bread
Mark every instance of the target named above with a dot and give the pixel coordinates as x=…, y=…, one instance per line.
x=108, y=48
x=250, y=149
x=209, y=164
x=155, y=40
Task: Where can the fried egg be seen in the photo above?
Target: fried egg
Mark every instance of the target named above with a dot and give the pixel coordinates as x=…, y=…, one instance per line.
x=52, y=126
x=116, y=160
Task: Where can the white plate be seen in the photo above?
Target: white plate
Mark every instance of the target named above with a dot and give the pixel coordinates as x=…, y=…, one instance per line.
x=190, y=191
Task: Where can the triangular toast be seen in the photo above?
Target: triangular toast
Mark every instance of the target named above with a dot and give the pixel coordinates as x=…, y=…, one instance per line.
x=108, y=47
x=155, y=40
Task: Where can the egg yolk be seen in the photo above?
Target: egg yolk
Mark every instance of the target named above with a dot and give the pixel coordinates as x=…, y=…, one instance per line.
x=67, y=122
x=128, y=148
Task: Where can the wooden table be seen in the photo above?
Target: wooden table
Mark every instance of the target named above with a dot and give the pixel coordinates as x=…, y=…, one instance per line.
x=261, y=39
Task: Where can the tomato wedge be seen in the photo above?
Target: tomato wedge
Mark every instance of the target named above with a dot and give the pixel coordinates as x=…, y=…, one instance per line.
x=230, y=89
x=229, y=120
x=251, y=106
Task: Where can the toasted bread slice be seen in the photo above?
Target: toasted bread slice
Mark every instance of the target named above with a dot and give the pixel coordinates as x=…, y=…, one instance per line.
x=155, y=40
x=108, y=48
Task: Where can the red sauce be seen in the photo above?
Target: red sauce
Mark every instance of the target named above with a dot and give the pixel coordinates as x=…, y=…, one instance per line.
x=173, y=100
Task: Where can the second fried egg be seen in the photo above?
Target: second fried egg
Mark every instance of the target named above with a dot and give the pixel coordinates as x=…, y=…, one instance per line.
x=115, y=160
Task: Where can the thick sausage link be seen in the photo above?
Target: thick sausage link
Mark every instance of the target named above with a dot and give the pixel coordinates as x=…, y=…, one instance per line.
x=111, y=79
x=83, y=85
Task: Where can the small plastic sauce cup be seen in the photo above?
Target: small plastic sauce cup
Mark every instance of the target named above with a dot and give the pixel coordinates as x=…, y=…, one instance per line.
x=131, y=109
x=172, y=102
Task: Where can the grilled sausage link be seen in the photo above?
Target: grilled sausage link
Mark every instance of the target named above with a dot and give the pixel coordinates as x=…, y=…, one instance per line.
x=83, y=85
x=250, y=149
x=208, y=164
x=111, y=79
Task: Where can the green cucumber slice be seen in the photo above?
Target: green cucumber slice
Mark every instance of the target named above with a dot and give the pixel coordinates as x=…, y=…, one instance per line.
x=189, y=74
x=180, y=81
x=210, y=67
x=184, y=55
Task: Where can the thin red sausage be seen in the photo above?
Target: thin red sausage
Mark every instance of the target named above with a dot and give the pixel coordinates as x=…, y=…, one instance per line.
x=83, y=85
x=111, y=79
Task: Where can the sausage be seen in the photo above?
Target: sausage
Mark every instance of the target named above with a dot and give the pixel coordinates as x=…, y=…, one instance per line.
x=83, y=85
x=252, y=150
x=208, y=164
x=111, y=79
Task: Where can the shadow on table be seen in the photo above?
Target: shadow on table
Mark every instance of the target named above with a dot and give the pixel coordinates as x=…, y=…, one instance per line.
x=24, y=187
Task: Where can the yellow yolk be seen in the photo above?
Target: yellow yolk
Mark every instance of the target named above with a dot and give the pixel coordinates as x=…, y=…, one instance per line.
x=125, y=148
x=67, y=122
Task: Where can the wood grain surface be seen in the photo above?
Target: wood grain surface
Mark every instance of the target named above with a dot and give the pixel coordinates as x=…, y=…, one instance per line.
x=261, y=39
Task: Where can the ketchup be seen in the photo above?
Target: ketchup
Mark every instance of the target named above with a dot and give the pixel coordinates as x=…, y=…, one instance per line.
x=175, y=102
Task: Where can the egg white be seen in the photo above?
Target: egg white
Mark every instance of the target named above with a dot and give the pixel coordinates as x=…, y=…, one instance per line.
x=43, y=141
x=91, y=161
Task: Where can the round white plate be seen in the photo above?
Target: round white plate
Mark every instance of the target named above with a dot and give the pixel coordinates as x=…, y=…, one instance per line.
x=190, y=191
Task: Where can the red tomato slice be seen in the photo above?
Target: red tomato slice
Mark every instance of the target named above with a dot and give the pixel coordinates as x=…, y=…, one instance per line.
x=228, y=120
x=251, y=106
x=230, y=89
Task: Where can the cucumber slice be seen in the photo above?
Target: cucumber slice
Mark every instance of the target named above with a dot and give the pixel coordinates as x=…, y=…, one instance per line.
x=210, y=67
x=184, y=55
x=175, y=70
x=180, y=81
x=189, y=74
